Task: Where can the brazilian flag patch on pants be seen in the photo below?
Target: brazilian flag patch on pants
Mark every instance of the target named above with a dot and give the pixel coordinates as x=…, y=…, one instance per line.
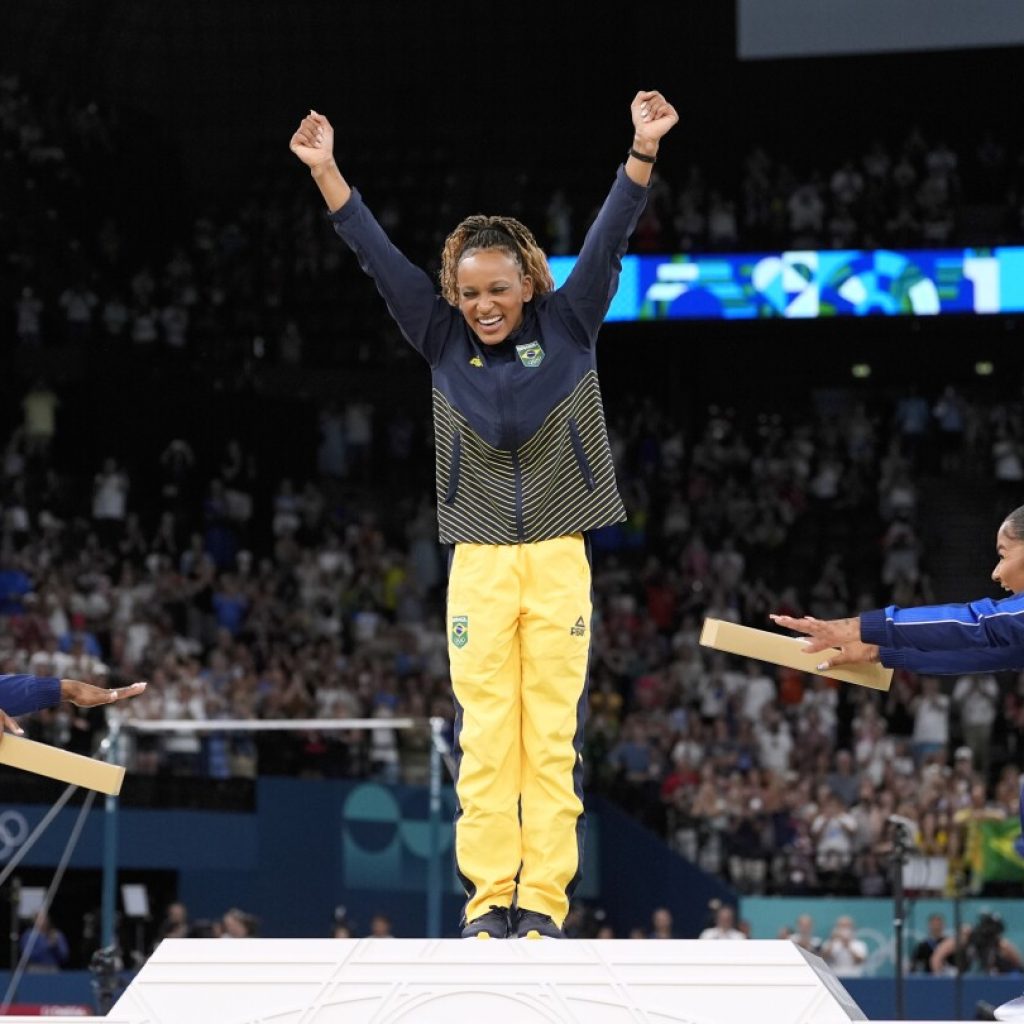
x=460, y=630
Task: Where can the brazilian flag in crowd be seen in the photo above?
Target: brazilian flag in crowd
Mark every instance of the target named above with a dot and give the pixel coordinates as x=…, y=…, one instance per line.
x=996, y=851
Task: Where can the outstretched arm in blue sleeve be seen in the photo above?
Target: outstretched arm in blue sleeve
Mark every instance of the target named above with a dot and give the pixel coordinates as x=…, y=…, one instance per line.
x=20, y=695
x=947, y=627
x=953, y=663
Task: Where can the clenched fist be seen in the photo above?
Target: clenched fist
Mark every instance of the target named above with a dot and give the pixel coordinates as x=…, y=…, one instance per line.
x=652, y=115
x=313, y=142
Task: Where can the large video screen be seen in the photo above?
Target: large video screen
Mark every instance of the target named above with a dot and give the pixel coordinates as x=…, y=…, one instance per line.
x=812, y=28
x=828, y=283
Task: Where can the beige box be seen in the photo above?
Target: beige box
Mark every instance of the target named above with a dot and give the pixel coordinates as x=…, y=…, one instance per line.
x=762, y=645
x=54, y=763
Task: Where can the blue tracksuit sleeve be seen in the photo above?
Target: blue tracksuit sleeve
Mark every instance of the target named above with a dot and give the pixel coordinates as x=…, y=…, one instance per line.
x=423, y=317
x=594, y=278
x=947, y=627
x=954, y=663
x=20, y=695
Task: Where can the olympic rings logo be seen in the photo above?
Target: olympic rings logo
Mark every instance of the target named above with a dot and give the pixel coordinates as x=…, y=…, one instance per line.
x=13, y=832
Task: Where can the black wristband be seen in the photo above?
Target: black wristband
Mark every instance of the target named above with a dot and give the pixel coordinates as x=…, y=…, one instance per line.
x=642, y=157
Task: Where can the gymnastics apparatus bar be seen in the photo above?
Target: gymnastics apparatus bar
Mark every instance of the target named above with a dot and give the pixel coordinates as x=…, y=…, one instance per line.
x=440, y=756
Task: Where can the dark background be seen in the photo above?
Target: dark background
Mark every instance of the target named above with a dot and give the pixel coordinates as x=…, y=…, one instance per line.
x=212, y=90
x=495, y=81
x=511, y=96
x=204, y=95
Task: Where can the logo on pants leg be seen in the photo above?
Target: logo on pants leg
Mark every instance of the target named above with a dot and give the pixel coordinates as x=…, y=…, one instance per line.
x=460, y=630
x=579, y=629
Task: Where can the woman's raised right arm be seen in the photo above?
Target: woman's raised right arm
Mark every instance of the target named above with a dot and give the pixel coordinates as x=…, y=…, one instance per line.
x=422, y=315
x=313, y=144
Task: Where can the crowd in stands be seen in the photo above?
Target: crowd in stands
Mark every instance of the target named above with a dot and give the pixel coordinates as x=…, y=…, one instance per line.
x=262, y=278
x=915, y=192
x=313, y=602
x=242, y=596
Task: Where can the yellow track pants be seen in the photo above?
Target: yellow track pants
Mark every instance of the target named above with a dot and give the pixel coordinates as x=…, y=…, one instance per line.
x=519, y=639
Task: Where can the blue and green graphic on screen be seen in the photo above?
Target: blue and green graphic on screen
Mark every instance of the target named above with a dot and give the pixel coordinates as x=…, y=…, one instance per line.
x=824, y=283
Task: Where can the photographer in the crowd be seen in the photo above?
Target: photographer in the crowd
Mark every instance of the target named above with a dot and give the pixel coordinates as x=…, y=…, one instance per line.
x=983, y=948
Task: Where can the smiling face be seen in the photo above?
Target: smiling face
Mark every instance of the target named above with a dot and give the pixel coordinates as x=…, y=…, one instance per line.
x=1009, y=570
x=492, y=292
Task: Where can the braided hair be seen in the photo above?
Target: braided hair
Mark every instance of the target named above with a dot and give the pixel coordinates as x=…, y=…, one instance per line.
x=503, y=233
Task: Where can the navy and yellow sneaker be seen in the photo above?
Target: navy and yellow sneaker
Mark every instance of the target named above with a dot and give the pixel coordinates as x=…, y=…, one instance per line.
x=529, y=924
x=495, y=924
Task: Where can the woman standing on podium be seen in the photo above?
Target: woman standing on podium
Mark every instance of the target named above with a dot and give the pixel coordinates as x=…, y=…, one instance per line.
x=524, y=471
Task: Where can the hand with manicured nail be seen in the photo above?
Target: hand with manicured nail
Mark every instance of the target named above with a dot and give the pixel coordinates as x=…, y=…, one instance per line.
x=853, y=652
x=85, y=695
x=653, y=116
x=313, y=141
x=824, y=633
x=840, y=637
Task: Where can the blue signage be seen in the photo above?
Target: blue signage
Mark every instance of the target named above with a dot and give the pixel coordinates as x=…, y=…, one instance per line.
x=812, y=284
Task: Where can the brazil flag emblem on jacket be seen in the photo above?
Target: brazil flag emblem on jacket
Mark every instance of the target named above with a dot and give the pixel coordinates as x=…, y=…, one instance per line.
x=530, y=354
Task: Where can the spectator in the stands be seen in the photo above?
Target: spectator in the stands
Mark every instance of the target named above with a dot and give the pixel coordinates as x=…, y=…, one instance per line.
x=843, y=951
x=976, y=700
x=724, y=926
x=238, y=924
x=661, y=924
x=843, y=781
x=804, y=935
x=44, y=945
x=921, y=957
x=931, y=720
x=175, y=923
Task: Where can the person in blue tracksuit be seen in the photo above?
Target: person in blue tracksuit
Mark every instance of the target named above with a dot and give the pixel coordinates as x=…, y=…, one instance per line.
x=22, y=694
x=523, y=473
x=947, y=639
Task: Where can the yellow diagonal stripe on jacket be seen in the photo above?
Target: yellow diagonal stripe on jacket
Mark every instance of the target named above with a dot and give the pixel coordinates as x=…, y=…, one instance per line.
x=567, y=479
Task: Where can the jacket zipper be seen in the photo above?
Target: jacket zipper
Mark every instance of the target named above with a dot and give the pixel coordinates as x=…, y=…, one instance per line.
x=503, y=419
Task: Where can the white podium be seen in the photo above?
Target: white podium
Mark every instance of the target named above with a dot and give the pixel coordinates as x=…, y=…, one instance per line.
x=422, y=981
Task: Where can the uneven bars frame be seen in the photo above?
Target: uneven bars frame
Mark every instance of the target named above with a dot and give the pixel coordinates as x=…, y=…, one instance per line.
x=439, y=753
x=265, y=724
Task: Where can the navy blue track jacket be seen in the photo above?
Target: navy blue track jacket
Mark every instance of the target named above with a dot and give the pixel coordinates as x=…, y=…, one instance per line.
x=522, y=451
x=949, y=639
x=20, y=695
